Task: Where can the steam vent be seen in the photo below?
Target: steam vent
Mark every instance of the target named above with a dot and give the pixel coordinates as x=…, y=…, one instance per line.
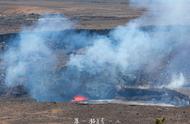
x=94, y=62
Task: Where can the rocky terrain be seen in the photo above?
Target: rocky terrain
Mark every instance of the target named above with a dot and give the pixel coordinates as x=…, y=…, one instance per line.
x=88, y=15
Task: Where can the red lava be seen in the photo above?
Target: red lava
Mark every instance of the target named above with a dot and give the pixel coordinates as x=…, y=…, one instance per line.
x=79, y=98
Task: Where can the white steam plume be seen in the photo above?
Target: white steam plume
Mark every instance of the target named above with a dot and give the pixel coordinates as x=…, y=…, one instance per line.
x=125, y=56
x=177, y=81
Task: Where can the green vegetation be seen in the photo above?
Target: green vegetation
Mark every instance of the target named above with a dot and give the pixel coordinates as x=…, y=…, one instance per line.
x=160, y=120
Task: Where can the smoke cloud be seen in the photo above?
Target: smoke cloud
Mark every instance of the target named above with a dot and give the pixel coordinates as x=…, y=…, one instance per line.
x=177, y=81
x=96, y=65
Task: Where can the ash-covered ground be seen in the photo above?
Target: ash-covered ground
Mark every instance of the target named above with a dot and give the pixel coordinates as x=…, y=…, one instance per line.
x=22, y=102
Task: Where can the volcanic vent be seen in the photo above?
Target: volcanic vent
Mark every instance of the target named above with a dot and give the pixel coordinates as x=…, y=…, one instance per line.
x=64, y=82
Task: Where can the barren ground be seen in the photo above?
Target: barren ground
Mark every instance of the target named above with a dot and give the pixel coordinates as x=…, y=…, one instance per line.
x=96, y=14
x=25, y=111
x=87, y=15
